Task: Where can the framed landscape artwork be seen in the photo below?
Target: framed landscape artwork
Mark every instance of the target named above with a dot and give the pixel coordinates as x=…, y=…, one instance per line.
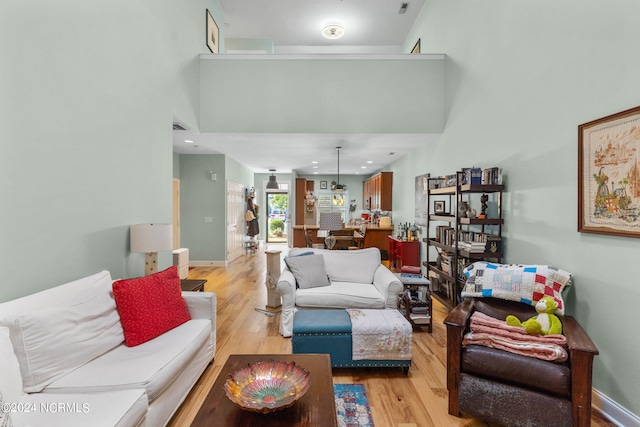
x=323, y=185
x=609, y=175
x=212, y=34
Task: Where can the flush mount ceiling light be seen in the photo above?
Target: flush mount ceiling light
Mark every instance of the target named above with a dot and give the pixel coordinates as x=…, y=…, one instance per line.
x=332, y=32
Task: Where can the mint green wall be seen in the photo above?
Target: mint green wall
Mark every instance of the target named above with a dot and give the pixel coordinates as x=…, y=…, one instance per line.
x=322, y=95
x=265, y=45
x=176, y=165
x=202, y=198
x=89, y=92
x=521, y=77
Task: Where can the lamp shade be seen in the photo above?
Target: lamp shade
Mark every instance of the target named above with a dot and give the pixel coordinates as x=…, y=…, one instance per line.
x=151, y=237
x=273, y=183
x=330, y=221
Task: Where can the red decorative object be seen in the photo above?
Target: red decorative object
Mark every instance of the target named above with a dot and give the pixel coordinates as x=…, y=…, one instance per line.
x=150, y=306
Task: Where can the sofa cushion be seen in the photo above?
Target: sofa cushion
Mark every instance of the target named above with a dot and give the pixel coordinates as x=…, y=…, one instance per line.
x=60, y=329
x=152, y=366
x=150, y=306
x=123, y=408
x=309, y=271
x=358, y=266
x=341, y=295
x=549, y=377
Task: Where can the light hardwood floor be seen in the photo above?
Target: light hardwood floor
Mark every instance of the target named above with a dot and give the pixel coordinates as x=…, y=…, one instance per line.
x=416, y=400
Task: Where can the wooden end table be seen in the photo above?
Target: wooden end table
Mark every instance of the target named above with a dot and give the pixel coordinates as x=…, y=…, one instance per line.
x=192, y=285
x=316, y=408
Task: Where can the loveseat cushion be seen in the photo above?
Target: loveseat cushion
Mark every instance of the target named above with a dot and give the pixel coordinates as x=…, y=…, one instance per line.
x=341, y=295
x=150, y=306
x=62, y=328
x=151, y=366
x=358, y=266
x=549, y=377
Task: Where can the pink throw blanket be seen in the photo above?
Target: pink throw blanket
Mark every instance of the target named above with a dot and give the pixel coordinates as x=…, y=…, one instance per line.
x=490, y=332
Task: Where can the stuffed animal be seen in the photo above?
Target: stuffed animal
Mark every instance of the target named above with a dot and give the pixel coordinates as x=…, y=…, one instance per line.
x=544, y=323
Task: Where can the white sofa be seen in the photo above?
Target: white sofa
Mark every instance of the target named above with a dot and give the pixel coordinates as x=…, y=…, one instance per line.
x=357, y=280
x=64, y=361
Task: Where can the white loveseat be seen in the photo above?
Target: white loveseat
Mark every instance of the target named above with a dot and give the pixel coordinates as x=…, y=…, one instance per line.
x=357, y=280
x=64, y=361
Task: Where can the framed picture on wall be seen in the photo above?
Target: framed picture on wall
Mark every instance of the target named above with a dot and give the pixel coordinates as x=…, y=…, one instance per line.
x=416, y=47
x=439, y=207
x=212, y=34
x=609, y=175
x=323, y=185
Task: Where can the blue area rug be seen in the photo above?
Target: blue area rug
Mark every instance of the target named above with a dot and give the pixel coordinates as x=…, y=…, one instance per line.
x=352, y=405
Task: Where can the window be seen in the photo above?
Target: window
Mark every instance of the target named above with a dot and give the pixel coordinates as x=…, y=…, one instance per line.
x=329, y=201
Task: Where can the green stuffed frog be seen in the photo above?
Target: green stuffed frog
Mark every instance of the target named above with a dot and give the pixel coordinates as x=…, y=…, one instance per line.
x=545, y=323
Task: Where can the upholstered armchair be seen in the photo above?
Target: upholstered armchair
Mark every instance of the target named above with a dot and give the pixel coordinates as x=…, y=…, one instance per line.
x=508, y=389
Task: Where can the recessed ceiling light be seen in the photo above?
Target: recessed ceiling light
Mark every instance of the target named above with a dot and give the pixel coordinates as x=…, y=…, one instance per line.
x=315, y=173
x=369, y=161
x=315, y=167
x=332, y=32
x=314, y=162
x=363, y=167
x=188, y=141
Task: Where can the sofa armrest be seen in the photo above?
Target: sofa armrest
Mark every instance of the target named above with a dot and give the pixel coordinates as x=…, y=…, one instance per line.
x=459, y=316
x=577, y=338
x=388, y=285
x=286, y=288
x=201, y=305
x=456, y=322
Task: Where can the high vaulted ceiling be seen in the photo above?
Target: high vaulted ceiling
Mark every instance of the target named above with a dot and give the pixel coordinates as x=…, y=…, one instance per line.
x=294, y=26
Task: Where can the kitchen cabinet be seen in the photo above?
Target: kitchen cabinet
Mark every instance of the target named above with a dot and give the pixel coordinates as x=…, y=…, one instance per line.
x=377, y=192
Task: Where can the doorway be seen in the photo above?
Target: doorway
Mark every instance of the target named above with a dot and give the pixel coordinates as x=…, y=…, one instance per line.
x=235, y=219
x=277, y=216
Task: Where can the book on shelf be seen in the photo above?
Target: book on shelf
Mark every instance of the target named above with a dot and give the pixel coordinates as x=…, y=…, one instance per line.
x=491, y=176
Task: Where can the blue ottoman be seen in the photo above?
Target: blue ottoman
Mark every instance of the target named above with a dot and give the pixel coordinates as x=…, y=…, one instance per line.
x=329, y=332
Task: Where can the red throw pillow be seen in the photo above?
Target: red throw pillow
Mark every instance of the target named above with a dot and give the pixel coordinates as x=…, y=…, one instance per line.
x=150, y=306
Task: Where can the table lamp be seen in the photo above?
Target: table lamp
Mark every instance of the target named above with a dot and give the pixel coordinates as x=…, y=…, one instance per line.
x=330, y=221
x=151, y=239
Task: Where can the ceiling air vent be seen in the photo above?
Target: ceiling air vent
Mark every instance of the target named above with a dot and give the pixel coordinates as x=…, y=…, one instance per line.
x=178, y=126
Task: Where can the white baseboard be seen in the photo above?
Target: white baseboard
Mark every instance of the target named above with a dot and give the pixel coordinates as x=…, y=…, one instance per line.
x=613, y=411
x=207, y=263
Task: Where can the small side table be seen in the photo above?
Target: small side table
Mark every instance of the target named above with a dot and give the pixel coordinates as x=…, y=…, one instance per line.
x=415, y=301
x=193, y=285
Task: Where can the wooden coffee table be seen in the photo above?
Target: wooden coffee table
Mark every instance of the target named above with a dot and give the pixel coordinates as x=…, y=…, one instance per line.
x=316, y=408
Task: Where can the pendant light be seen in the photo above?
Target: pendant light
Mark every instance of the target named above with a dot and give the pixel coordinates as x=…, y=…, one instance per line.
x=338, y=188
x=273, y=183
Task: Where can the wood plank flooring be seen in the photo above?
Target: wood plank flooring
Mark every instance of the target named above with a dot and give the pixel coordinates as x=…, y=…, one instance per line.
x=416, y=400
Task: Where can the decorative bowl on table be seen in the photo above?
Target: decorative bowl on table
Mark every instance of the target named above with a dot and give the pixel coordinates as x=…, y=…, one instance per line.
x=267, y=386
